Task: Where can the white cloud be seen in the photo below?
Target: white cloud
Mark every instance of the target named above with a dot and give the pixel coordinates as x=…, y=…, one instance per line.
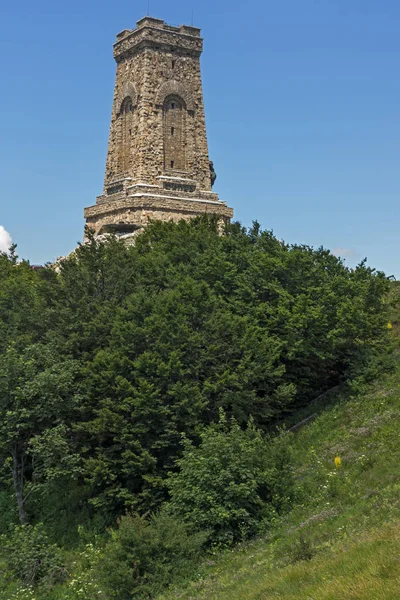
x=345, y=252
x=5, y=240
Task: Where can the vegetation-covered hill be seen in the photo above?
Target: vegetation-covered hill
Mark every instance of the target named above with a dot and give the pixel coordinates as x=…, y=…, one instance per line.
x=341, y=541
x=140, y=393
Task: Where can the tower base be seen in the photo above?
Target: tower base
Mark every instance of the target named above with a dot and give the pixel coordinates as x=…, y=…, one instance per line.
x=126, y=208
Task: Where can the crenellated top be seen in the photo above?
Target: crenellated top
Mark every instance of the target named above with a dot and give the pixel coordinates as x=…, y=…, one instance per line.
x=160, y=24
x=151, y=32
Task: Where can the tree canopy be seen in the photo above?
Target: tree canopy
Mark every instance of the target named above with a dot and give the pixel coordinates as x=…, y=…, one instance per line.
x=119, y=350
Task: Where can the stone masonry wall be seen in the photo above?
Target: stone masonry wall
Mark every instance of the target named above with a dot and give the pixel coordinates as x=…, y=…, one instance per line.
x=155, y=72
x=157, y=163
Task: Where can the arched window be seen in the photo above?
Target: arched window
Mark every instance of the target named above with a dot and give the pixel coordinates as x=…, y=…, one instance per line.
x=174, y=133
x=126, y=117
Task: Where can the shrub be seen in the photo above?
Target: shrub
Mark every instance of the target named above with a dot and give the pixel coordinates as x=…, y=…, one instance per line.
x=143, y=556
x=232, y=482
x=30, y=558
x=304, y=549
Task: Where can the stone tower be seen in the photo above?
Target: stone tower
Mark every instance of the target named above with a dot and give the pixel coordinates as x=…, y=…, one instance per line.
x=157, y=164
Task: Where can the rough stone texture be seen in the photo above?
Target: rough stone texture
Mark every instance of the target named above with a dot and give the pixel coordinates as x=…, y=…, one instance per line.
x=157, y=163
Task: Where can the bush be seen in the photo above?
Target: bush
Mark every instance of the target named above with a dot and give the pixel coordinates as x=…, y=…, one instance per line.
x=143, y=556
x=232, y=482
x=30, y=558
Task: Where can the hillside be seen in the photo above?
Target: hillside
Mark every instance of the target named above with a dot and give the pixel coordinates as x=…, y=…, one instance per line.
x=140, y=391
x=342, y=541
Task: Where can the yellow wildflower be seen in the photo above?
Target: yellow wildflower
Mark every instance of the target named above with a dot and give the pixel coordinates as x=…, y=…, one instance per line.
x=338, y=461
x=389, y=326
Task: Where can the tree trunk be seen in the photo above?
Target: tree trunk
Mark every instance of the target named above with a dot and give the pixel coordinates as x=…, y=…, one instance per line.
x=18, y=479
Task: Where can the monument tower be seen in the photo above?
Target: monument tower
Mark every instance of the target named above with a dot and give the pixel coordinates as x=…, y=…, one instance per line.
x=157, y=163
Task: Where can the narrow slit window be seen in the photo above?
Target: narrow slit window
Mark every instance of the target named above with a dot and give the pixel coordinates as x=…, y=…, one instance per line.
x=173, y=64
x=172, y=164
x=172, y=130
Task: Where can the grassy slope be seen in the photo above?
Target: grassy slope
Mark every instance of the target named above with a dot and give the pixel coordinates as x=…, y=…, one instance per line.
x=342, y=539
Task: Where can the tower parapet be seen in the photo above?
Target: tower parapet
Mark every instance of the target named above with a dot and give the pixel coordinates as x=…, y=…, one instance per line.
x=157, y=163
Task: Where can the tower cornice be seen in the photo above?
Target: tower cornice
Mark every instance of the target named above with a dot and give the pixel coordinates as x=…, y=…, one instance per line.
x=155, y=33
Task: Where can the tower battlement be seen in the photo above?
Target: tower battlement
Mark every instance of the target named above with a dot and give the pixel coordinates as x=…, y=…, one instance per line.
x=151, y=32
x=157, y=163
x=159, y=24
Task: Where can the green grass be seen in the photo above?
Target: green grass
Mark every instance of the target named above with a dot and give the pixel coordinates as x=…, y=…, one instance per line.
x=367, y=569
x=342, y=538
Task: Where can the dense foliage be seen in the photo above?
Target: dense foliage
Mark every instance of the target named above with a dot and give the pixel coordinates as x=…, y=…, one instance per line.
x=232, y=483
x=30, y=557
x=107, y=360
x=142, y=557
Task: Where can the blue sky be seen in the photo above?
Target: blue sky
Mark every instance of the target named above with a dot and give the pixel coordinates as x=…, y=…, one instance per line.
x=302, y=106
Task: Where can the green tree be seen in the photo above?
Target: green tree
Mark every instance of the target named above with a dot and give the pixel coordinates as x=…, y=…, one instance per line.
x=170, y=330
x=231, y=482
x=187, y=322
x=23, y=316
x=36, y=394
